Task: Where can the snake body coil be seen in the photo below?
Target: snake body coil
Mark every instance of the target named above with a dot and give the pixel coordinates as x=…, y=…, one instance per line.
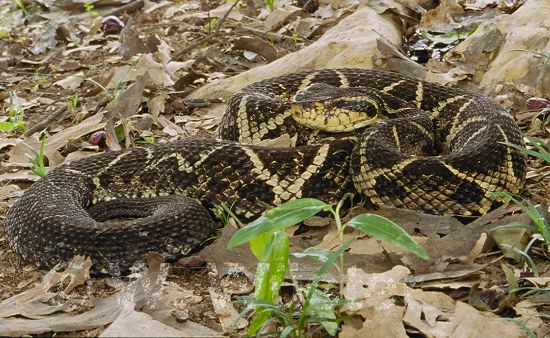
x=434, y=149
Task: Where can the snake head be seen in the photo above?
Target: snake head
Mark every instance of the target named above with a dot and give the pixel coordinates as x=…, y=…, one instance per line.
x=324, y=107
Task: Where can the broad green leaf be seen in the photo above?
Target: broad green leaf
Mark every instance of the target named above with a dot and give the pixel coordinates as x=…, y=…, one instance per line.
x=278, y=218
x=260, y=246
x=386, y=230
x=270, y=274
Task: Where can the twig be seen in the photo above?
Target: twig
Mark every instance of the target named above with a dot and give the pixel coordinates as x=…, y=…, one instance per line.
x=44, y=123
x=269, y=35
x=209, y=37
x=128, y=8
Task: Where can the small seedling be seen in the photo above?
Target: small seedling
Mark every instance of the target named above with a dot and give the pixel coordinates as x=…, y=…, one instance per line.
x=224, y=214
x=270, y=4
x=37, y=158
x=210, y=26
x=72, y=102
x=22, y=6
x=15, y=118
x=43, y=80
x=89, y=7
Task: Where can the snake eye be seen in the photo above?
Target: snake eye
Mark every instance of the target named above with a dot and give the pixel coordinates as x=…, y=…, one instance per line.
x=371, y=111
x=360, y=106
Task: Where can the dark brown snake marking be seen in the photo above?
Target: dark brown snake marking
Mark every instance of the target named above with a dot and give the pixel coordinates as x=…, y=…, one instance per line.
x=438, y=153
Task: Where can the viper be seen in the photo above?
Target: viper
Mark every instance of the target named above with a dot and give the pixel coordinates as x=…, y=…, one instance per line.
x=393, y=140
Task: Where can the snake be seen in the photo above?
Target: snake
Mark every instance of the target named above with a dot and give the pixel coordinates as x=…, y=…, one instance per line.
x=393, y=140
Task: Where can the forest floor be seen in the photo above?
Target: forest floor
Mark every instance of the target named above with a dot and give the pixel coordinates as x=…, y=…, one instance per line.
x=62, y=63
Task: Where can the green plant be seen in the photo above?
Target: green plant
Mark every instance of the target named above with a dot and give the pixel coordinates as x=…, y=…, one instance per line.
x=89, y=7
x=211, y=25
x=270, y=245
x=37, y=158
x=541, y=229
x=15, y=118
x=146, y=140
x=224, y=214
x=22, y=6
x=448, y=38
x=295, y=37
x=270, y=4
x=119, y=88
x=541, y=224
x=539, y=145
x=72, y=102
x=43, y=80
x=120, y=85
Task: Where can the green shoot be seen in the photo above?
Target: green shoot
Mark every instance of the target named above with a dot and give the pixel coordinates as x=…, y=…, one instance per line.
x=15, y=118
x=270, y=4
x=72, y=102
x=37, y=158
x=146, y=140
x=89, y=7
x=21, y=6
x=210, y=26
x=522, y=325
x=295, y=37
x=530, y=210
x=119, y=87
x=224, y=213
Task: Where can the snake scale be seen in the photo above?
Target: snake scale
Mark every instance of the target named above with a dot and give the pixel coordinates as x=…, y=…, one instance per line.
x=423, y=146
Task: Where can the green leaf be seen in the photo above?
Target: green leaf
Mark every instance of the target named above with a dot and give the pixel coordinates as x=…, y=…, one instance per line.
x=542, y=152
x=319, y=254
x=386, y=230
x=323, y=306
x=260, y=247
x=530, y=210
x=6, y=126
x=271, y=272
x=270, y=275
x=286, y=332
x=278, y=218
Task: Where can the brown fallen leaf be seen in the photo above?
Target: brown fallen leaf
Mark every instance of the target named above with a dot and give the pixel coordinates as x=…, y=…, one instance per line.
x=433, y=314
x=132, y=44
x=256, y=45
x=33, y=303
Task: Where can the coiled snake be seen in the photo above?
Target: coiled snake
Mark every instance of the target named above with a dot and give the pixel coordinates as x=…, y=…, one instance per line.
x=433, y=149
